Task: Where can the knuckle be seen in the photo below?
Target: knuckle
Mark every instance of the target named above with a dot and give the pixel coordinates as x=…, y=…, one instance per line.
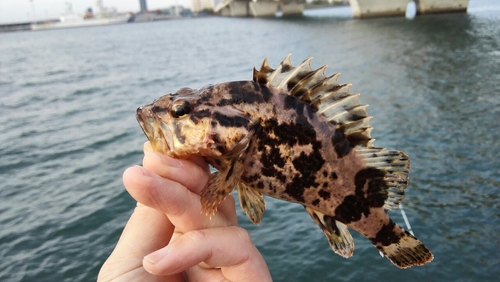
x=196, y=236
x=242, y=234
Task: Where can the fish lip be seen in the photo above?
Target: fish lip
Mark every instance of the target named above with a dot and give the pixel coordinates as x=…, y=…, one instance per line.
x=149, y=123
x=141, y=117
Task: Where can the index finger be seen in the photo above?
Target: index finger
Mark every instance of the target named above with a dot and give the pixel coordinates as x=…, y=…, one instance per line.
x=192, y=174
x=182, y=207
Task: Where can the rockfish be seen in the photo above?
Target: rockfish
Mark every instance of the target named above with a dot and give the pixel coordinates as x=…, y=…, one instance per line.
x=296, y=135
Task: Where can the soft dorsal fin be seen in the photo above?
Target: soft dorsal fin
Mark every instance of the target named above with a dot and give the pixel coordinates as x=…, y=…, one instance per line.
x=395, y=166
x=324, y=94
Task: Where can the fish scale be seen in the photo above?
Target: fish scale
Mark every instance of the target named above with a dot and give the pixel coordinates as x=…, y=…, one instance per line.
x=294, y=134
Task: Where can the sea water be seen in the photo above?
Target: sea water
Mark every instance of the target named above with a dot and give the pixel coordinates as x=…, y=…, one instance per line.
x=68, y=131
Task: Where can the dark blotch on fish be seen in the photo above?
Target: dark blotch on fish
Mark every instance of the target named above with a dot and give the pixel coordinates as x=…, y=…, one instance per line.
x=230, y=121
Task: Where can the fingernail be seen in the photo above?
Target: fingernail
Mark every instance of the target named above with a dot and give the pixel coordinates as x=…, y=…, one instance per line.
x=147, y=148
x=172, y=162
x=157, y=256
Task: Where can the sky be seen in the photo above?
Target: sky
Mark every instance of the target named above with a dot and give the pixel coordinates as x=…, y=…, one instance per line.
x=16, y=11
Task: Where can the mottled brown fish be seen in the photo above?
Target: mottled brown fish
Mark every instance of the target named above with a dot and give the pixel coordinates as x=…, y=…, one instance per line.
x=293, y=134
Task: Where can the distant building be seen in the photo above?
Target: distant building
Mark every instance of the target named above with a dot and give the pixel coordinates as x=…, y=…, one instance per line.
x=144, y=7
x=202, y=5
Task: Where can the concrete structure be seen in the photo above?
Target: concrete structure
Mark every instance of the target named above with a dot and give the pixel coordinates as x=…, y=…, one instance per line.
x=441, y=6
x=380, y=8
x=291, y=8
x=202, y=5
x=144, y=6
x=360, y=8
x=259, y=8
x=230, y=8
x=384, y=8
x=263, y=8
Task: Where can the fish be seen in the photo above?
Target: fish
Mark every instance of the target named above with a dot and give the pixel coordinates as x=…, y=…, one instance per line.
x=294, y=134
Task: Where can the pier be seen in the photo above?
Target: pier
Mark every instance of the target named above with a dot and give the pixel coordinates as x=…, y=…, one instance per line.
x=360, y=8
x=384, y=8
x=263, y=8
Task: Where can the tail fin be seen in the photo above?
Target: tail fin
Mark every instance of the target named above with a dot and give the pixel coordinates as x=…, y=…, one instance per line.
x=402, y=248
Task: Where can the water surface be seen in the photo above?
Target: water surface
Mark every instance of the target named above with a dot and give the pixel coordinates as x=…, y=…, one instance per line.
x=68, y=131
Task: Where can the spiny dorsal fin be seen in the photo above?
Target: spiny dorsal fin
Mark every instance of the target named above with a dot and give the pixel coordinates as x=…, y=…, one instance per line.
x=285, y=76
x=342, y=109
x=323, y=94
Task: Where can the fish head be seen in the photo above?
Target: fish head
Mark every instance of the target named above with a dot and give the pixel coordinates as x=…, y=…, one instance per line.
x=169, y=125
x=189, y=122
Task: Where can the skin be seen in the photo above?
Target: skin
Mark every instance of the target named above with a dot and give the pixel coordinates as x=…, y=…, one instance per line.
x=168, y=239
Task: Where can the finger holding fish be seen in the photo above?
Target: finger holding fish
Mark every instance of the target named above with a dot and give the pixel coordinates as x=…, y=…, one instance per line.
x=192, y=174
x=169, y=195
x=187, y=240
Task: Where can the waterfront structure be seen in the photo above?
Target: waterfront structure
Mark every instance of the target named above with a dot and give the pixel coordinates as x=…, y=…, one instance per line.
x=360, y=8
x=262, y=8
x=441, y=6
x=144, y=6
x=383, y=8
x=198, y=6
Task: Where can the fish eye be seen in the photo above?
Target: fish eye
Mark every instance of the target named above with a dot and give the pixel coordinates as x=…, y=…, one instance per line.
x=180, y=108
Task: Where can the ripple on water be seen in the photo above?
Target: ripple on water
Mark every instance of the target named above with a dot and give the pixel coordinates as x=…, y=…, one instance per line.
x=68, y=130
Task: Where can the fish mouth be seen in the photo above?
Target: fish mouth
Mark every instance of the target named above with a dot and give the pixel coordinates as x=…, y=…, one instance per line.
x=145, y=120
x=151, y=127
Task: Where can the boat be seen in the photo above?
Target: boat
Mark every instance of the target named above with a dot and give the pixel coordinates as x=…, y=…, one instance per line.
x=106, y=16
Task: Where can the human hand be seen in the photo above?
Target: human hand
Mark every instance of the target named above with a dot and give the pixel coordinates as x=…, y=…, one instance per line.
x=167, y=238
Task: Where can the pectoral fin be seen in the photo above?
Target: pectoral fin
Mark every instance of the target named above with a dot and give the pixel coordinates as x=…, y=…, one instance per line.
x=338, y=235
x=251, y=202
x=219, y=186
x=222, y=182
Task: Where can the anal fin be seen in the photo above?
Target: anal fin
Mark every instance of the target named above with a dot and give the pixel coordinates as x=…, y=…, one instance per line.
x=251, y=202
x=338, y=235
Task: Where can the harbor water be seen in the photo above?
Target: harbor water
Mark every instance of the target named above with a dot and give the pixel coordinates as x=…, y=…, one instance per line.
x=68, y=131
